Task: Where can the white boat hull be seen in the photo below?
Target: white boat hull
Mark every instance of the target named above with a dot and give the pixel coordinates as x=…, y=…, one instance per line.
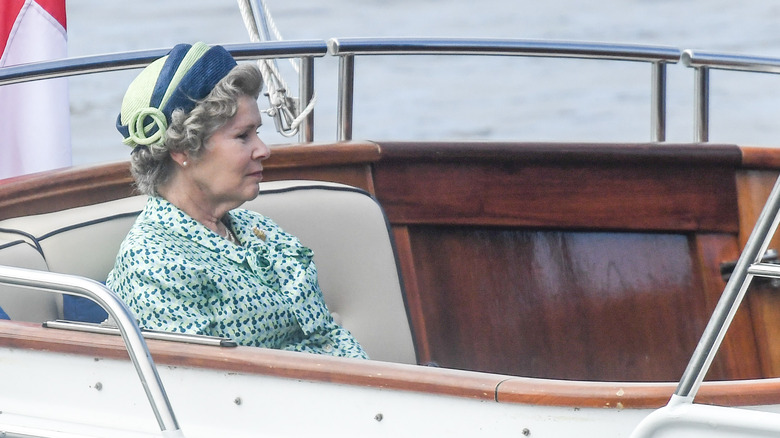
x=86, y=396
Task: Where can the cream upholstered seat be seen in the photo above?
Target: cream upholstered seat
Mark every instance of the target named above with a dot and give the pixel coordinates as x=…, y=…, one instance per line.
x=80, y=241
x=23, y=304
x=344, y=226
x=348, y=232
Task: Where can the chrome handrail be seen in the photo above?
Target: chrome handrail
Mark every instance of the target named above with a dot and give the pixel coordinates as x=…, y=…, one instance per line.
x=722, y=61
x=137, y=59
x=703, y=62
x=306, y=50
x=131, y=334
x=508, y=47
x=347, y=48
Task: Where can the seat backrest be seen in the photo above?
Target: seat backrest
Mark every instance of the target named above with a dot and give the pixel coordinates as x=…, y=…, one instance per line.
x=344, y=226
x=81, y=241
x=353, y=250
x=21, y=303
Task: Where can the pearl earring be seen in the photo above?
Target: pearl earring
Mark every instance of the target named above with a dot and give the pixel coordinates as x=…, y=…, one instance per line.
x=184, y=164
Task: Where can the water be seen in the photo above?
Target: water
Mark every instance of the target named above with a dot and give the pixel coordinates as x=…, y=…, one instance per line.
x=483, y=98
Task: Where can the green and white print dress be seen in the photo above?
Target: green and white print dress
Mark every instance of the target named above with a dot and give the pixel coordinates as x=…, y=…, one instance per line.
x=177, y=275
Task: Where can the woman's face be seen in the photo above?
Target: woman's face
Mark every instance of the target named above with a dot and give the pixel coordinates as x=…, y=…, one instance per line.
x=230, y=167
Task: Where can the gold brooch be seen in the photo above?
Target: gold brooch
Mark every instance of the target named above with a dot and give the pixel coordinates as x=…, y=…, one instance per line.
x=259, y=233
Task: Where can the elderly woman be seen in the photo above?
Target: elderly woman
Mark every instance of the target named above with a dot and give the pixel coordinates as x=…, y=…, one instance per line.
x=193, y=262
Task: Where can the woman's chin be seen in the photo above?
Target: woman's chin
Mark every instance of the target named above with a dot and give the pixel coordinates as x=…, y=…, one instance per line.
x=251, y=193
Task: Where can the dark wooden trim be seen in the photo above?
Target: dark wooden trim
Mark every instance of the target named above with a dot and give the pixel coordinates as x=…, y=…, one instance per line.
x=356, y=175
x=754, y=157
x=64, y=188
x=609, y=395
x=322, y=155
x=566, y=153
x=347, y=163
x=635, y=395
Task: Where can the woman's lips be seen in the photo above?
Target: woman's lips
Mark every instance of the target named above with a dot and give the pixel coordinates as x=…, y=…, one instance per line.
x=258, y=174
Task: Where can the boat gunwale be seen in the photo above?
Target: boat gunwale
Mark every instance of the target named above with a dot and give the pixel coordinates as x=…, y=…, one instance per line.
x=391, y=376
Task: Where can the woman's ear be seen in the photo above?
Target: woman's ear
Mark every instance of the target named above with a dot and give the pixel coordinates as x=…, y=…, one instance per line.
x=180, y=158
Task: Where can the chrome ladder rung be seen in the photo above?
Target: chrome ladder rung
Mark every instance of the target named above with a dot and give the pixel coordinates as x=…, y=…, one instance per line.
x=764, y=270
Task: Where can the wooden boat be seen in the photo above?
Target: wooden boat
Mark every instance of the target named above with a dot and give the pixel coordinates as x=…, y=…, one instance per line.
x=545, y=289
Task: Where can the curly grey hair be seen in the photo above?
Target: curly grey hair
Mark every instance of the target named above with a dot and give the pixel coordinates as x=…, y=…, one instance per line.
x=151, y=166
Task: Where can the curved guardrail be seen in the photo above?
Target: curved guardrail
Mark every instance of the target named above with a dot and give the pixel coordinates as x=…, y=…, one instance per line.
x=305, y=50
x=131, y=334
x=347, y=48
x=703, y=62
x=137, y=59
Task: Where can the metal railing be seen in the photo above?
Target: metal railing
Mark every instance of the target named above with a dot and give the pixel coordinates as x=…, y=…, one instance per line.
x=703, y=62
x=347, y=48
x=131, y=334
x=305, y=50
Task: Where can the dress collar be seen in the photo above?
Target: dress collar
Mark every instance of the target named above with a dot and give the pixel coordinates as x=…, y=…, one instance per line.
x=177, y=222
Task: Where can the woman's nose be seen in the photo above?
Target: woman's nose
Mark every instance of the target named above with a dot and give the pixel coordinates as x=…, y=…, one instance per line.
x=262, y=151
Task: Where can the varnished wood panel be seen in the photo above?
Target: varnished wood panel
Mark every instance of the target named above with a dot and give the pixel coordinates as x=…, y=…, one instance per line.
x=415, y=310
x=763, y=298
x=571, y=305
x=753, y=187
x=764, y=301
x=738, y=356
x=552, y=195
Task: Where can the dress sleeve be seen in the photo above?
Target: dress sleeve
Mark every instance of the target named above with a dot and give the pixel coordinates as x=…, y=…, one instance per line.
x=293, y=266
x=164, y=294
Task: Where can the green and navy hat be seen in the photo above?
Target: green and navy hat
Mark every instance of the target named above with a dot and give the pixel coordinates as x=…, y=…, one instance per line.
x=178, y=80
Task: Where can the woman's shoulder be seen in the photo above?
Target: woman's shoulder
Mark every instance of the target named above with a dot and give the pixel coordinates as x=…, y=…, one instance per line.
x=156, y=228
x=261, y=226
x=246, y=217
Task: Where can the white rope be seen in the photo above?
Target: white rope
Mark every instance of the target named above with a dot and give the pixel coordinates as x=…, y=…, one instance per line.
x=282, y=106
x=269, y=19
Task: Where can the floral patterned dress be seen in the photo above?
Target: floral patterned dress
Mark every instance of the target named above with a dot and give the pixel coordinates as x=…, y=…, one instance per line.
x=177, y=275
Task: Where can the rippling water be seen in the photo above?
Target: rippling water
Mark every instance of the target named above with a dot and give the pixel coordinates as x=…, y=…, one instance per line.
x=496, y=98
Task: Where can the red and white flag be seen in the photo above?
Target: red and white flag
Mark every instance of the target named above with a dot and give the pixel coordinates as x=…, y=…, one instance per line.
x=34, y=116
